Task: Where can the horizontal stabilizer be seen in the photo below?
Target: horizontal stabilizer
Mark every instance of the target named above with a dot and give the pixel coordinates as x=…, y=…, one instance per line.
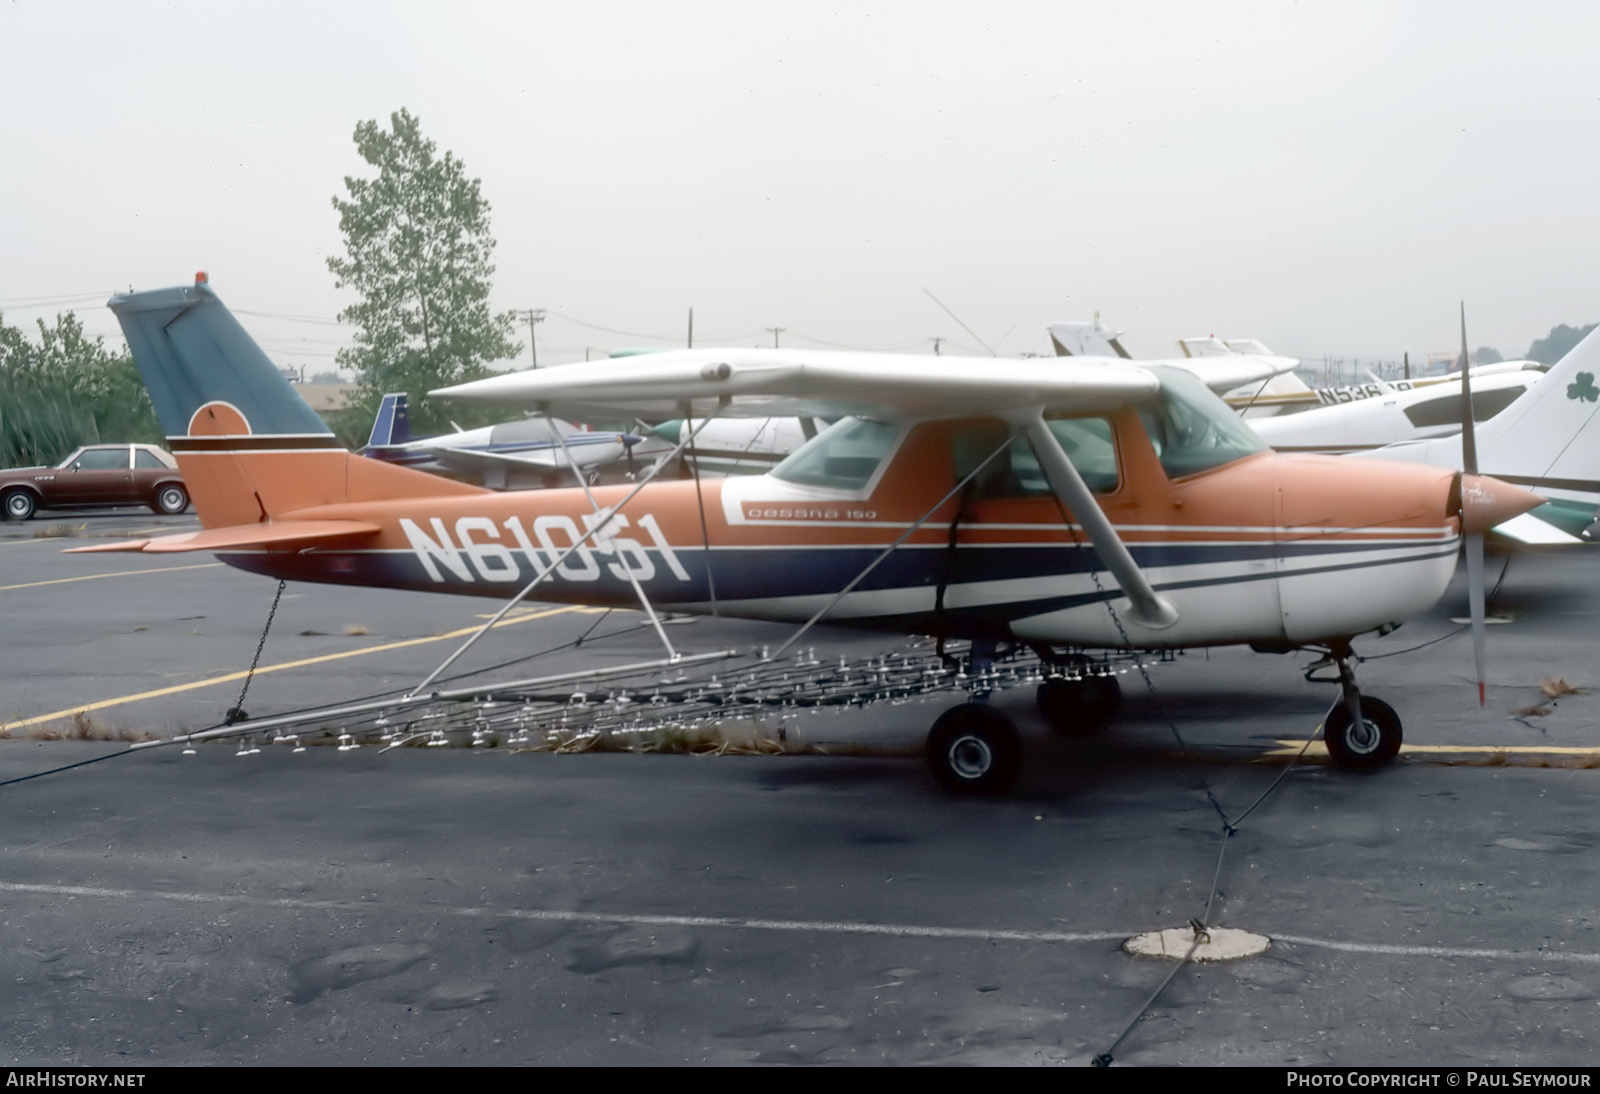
x=284, y=533
x=548, y=458
x=1222, y=374
x=1528, y=528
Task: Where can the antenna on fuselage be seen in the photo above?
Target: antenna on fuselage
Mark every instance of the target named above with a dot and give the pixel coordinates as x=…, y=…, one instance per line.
x=964, y=327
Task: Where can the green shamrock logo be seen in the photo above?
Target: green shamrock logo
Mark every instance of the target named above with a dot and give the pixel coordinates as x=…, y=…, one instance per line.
x=1584, y=389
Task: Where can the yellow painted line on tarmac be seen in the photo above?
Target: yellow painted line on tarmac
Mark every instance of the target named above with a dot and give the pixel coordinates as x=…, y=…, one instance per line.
x=229, y=677
x=119, y=573
x=1318, y=748
x=534, y=613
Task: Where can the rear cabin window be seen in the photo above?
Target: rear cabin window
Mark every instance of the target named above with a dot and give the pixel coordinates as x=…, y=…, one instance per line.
x=147, y=459
x=1088, y=442
x=1446, y=409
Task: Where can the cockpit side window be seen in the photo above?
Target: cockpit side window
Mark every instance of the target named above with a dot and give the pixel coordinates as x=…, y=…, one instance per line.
x=842, y=457
x=1191, y=429
x=1088, y=442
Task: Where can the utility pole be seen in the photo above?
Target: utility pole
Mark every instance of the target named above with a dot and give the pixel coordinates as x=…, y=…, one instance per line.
x=533, y=315
x=774, y=331
x=690, y=342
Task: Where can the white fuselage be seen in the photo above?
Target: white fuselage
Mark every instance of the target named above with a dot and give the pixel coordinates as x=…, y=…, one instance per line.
x=1392, y=417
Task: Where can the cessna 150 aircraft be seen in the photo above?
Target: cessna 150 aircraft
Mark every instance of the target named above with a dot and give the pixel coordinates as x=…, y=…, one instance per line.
x=1104, y=506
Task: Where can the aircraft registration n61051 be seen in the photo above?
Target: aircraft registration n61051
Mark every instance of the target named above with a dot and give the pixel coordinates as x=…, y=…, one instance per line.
x=1107, y=506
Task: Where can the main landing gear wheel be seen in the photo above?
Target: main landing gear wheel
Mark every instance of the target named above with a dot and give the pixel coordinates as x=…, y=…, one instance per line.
x=171, y=499
x=1372, y=742
x=1076, y=708
x=18, y=504
x=974, y=749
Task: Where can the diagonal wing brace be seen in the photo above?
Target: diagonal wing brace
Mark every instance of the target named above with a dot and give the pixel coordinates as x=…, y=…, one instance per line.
x=1149, y=608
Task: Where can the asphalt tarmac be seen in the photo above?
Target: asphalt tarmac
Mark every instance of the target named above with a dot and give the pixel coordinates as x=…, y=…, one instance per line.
x=454, y=906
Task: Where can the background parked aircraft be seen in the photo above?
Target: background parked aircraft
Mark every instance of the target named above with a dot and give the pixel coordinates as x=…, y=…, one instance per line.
x=1547, y=440
x=515, y=455
x=1233, y=375
x=1394, y=415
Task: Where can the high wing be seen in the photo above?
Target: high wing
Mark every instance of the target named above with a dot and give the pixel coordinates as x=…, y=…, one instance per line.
x=757, y=383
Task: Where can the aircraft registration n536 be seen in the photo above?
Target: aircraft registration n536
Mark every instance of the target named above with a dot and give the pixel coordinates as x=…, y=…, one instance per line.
x=1107, y=505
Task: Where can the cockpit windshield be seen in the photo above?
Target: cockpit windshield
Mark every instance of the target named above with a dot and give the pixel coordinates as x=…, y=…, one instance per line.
x=842, y=457
x=1191, y=429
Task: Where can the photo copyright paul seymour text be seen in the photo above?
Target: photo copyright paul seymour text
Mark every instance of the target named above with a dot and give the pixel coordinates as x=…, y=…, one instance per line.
x=1438, y=1079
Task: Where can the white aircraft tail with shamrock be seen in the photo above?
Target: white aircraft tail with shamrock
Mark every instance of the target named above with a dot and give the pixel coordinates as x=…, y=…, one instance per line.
x=1548, y=441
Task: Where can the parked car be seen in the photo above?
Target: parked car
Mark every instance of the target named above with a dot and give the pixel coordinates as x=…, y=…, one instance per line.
x=96, y=474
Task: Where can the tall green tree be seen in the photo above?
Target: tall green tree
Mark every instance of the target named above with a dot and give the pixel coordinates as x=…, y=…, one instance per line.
x=418, y=254
x=64, y=390
x=1554, y=346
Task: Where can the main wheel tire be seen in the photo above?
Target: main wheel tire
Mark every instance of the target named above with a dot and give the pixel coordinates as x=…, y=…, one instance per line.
x=171, y=499
x=974, y=749
x=18, y=504
x=1076, y=708
x=1372, y=743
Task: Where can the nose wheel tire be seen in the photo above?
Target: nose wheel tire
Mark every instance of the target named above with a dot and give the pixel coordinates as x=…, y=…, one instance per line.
x=1076, y=708
x=1371, y=743
x=18, y=504
x=974, y=749
x=171, y=499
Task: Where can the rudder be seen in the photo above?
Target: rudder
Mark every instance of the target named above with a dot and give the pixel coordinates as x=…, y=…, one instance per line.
x=249, y=447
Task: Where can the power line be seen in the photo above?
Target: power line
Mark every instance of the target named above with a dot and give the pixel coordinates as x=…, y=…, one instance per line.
x=319, y=320
x=24, y=303
x=846, y=345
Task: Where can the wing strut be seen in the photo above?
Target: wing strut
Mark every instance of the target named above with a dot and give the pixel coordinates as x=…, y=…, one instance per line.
x=562, y=558
x=638, y=590
x=1149, y=608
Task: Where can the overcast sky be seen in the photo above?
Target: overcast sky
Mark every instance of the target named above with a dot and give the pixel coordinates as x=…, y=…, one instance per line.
x=1327, y=177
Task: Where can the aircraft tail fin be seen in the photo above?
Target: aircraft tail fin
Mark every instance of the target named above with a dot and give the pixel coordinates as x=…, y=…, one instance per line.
x=393, y=422
x=1549, y=439
x=249, y=447
x=1092, y=339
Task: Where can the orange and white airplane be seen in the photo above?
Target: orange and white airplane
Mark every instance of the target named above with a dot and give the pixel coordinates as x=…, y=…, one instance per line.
x=1105, y=506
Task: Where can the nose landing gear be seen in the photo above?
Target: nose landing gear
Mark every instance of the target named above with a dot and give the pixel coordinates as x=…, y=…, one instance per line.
x=1360, y=731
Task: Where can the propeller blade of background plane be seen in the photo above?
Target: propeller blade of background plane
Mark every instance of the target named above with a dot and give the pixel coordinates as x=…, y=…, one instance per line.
x=1474, y=543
